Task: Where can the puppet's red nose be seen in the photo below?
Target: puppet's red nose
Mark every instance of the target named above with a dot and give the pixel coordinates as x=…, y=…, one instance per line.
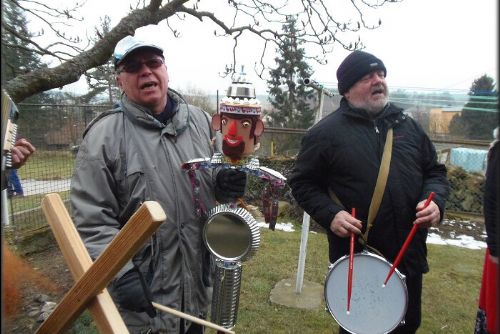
x=233, y=129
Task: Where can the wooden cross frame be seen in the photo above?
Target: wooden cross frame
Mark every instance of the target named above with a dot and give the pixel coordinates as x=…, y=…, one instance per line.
x=93, y=277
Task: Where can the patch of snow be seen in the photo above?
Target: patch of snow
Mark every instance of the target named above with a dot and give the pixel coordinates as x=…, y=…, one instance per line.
x=464, y=241
x=286, y=227
x=461, y=240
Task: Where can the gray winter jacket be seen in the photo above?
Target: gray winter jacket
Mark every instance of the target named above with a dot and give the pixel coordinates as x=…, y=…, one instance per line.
x=126, y=158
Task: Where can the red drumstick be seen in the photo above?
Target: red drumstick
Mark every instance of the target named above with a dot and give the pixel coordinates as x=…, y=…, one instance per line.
x=351, y=266
x=407, y=242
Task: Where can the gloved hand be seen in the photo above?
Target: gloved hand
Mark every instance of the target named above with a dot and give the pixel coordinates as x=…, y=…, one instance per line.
x=132, y=293
x=231, y=183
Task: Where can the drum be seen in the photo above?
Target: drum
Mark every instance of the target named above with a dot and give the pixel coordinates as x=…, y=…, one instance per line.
x=374, y=308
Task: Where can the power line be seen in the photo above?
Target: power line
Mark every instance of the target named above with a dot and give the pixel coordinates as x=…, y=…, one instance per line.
x=333, y=84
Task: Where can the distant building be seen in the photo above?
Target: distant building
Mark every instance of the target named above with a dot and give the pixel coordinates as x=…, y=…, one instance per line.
x=440, y=118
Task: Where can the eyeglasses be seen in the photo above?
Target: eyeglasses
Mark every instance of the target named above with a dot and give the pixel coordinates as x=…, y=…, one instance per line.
x=134, y=66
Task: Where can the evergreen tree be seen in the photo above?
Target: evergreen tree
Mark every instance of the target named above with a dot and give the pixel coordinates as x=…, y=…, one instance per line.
x=480, y=115
x=17, y=57
x=20, y=59
x=293, y=106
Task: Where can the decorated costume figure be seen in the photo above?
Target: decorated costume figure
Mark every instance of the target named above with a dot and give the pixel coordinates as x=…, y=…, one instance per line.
x=231, y=232
x=239, y=121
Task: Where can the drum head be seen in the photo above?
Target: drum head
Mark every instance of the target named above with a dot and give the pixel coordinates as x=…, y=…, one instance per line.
x=231, y=233
x=374, y=309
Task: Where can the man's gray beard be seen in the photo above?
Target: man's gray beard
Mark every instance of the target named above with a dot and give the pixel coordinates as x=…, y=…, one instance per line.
x=372, y=109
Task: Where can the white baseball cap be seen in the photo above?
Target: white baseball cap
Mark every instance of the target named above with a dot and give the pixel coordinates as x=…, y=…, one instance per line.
x=130, y=43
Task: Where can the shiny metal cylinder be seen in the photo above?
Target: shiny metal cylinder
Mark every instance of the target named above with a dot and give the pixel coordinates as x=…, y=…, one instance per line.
x=226, y=293
x=241, y=90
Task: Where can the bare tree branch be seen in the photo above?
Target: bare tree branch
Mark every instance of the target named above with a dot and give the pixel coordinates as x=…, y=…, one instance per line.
x=320, y=28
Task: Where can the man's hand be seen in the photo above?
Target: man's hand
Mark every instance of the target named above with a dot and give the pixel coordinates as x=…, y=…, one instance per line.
x=21, y=151
x=231, y=183
x=343, y=224
x=429, y=216
x=132, y=293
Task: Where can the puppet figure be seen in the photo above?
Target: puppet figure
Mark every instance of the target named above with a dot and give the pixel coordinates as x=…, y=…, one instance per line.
x=231, y=233
x=239, y=121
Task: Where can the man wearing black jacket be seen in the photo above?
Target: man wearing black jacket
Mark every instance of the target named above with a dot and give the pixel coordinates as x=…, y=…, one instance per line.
x=341, y=155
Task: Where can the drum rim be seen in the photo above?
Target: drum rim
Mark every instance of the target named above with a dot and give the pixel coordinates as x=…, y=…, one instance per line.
x=401, y=276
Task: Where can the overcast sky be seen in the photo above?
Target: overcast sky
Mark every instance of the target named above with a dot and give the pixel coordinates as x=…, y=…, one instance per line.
x=434, y=44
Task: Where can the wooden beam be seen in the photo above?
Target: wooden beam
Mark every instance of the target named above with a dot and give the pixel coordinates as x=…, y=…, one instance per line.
x=106, y=316
x=95, y=279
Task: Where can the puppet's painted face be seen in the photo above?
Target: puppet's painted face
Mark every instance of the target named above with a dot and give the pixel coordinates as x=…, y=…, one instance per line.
x=239, y=134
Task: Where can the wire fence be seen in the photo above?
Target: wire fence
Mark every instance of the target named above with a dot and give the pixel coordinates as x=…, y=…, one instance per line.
x=56, y=131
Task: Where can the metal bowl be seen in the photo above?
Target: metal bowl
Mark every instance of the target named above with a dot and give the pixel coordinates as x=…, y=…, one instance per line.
x=231, y=233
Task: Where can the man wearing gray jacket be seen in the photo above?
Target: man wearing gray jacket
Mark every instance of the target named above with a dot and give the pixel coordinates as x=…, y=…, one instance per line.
x=133, y=154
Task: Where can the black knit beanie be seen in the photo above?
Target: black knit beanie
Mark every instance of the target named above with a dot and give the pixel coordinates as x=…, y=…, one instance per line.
x=354, y=67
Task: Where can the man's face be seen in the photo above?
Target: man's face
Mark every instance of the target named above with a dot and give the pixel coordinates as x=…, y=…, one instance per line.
x=369, y=93
x=238, y=133
x=144, y=79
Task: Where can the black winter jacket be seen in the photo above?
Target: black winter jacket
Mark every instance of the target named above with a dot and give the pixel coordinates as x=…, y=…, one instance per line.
x=343, y=152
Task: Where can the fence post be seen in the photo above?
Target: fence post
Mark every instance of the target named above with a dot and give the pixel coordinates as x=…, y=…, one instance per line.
x=306, y=219
x=5, y=208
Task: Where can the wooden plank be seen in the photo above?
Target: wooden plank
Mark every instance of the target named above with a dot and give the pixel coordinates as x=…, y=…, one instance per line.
x=106, y=316
x=121, y=249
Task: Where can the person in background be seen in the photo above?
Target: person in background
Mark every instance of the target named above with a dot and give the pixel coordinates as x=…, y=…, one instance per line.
x=341, y=155
x=133, y=154
x=14, y=186
x=487, y=314
x=21, y=151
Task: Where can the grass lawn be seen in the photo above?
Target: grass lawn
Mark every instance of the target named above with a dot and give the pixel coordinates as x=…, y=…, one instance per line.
x=48, y=165
x=451, y=289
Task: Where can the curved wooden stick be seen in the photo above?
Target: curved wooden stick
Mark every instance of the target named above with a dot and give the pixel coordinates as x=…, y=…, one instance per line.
x=191, y=318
